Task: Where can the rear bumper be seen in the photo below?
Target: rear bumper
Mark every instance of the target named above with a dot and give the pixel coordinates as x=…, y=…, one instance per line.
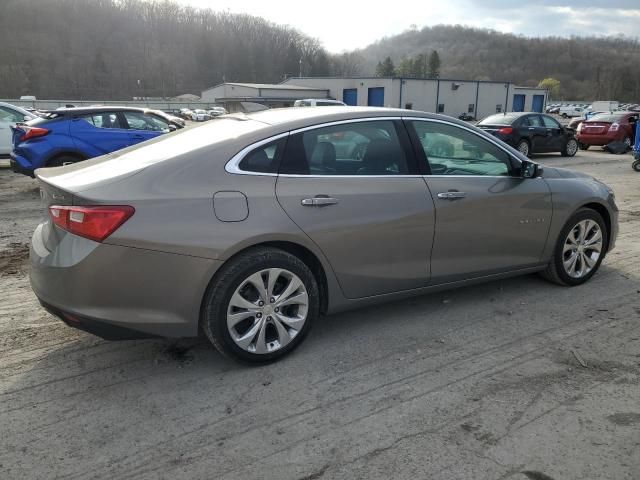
x=119, y=292
x=599, y=140
x=19, y=167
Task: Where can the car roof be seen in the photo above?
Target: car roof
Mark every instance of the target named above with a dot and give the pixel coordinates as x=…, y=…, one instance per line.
x=102, y=108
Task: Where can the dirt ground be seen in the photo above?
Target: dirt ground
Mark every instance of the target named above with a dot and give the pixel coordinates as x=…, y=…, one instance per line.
x=513, y=379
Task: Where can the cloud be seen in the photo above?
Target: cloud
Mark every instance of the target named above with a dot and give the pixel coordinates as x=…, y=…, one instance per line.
x=341, y=25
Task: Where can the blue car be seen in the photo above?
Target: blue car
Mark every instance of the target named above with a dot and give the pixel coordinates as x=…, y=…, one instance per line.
x=74, y=134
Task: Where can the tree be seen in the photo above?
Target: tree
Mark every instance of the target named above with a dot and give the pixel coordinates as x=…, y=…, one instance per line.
x=386, y=68
x=434, y=64
x=552, y=85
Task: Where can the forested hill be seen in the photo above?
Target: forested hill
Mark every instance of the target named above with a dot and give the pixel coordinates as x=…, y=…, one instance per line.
x=605, y=68
x=116, y=49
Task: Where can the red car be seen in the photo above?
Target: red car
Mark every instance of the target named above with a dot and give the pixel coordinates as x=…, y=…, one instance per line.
x=605, y=128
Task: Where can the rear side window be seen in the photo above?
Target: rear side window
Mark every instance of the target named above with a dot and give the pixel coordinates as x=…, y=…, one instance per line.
x=355, y=148
x=264, y=159
x=104, y=120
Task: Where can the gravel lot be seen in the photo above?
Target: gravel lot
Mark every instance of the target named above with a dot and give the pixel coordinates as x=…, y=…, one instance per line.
x=512, y=379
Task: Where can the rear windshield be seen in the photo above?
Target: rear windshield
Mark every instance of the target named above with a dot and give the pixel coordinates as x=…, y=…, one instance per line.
x=606, y=117
x=500, y=119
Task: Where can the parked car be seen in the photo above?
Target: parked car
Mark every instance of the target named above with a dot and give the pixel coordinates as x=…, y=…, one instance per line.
x=186, y=113
x=200, y=115
x=74, y=134
x=553, y=109
x=217, y=111
x=567, y=111
x=318, y=102
x=248, y=230
x=9, y=116
x=605, y=128
x=531, y=133
x=172, y=119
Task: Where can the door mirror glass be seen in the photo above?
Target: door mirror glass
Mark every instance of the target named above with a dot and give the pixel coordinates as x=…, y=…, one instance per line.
x=530, y=169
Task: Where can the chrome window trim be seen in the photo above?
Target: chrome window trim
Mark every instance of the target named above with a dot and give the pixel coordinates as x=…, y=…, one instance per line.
x=233, y=165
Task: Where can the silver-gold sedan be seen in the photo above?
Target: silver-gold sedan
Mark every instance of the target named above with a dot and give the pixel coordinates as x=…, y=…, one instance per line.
x=249, y=227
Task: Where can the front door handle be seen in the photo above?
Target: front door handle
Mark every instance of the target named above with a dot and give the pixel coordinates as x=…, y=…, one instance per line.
x=451, y=195
x=318, y=201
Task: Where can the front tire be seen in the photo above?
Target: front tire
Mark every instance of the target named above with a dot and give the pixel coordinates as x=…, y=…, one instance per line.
x=570, y=148
x=579, y=250
x=261, y=305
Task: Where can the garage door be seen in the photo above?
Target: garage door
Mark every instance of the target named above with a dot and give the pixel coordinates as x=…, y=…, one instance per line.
x=376, y=97
x=350, y=96
x=538, y=103
x=518, y=103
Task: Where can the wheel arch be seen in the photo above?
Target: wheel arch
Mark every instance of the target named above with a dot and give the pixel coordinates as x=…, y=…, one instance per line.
x=303, y=253
x=606, y=216
x=65, y=153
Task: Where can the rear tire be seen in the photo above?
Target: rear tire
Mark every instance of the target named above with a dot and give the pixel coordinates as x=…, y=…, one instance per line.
x=583, y=146
x=250, y=315
x=558, y=271
x=63, y=160
x=636, y=165
x=524, y=148
x=570, y=148
x=627, y=142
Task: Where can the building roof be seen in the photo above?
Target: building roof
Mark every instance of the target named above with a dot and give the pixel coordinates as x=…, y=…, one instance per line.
x=269, y=86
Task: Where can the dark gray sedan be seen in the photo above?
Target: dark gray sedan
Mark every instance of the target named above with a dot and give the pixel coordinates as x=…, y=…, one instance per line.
x=249, y=227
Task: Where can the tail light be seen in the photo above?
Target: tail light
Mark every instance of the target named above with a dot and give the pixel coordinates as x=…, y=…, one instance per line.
x=32, y=132
x=614, y=127
x=505, y=130
x=95, y=223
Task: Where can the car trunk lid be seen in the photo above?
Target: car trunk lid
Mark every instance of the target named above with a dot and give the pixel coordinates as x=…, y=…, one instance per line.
x=595, y=128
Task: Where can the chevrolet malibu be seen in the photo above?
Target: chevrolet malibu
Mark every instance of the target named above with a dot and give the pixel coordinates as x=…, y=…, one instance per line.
x=247, y=228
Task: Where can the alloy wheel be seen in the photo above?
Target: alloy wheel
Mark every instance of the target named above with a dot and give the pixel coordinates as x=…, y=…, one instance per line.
x=582, y=248
x=572, y=147
x=267, y=310
x=523, y=148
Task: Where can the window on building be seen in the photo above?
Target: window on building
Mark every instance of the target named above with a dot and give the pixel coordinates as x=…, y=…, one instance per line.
x=499, y=108
x=471, y=108
x=441, y=108
x=408, y=106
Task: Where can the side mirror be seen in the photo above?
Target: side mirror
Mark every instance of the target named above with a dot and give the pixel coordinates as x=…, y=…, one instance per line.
x=530, y=170
x=172, y=128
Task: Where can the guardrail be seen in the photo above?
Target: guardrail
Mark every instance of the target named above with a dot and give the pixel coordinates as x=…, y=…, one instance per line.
x=154, y=104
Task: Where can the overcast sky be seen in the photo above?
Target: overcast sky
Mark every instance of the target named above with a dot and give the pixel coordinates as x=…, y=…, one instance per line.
x=346, y=25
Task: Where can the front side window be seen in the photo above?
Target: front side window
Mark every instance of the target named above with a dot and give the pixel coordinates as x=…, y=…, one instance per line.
x=104, y=120
x=140, y=121
x=451, y=150
x=499, y=108
x=356, y=148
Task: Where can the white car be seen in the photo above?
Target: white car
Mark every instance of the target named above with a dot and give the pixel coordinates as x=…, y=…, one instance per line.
x=200, y=116
x=567, y=111
x=318, y=102
x=9, y=116
x=216, y=111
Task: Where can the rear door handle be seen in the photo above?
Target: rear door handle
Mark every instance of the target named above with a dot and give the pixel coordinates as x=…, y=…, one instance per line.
x=318, y=201
x=451, y=195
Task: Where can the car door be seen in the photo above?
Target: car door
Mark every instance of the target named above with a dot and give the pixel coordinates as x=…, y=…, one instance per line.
x=365, y=205
x=98, y=133
x=539, y=138
x=488, y=218
x=555, y=134
x=8, y=118
x=144, y=126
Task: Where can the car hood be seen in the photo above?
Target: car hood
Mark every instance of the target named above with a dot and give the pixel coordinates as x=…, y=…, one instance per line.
x=554, y=172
